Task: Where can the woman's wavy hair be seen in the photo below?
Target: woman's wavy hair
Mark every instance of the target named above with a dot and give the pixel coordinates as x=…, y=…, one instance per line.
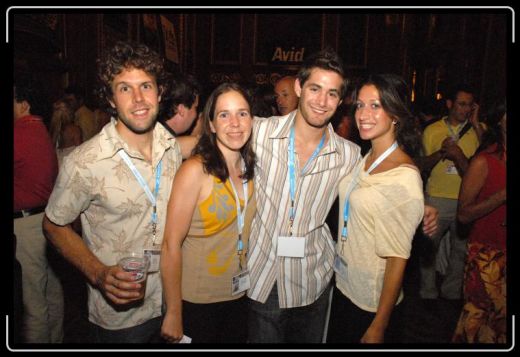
x=127, y=55
x=394, y=97
x=212, y=158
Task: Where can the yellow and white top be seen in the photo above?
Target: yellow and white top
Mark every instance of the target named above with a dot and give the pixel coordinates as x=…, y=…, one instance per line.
x=209, y=251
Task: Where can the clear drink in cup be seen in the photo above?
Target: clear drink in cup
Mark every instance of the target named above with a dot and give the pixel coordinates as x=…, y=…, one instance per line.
x=138, y=265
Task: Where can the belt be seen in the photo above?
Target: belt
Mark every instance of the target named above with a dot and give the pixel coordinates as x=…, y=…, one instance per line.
x=28, y=212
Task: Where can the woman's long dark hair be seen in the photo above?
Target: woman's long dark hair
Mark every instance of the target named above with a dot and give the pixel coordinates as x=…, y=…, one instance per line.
x=393, y=93
x=212, y=158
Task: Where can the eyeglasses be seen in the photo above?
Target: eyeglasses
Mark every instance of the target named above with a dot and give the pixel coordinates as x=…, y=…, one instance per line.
x=464, y=104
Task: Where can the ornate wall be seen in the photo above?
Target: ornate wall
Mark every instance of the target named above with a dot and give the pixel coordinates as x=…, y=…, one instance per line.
x=430, y=50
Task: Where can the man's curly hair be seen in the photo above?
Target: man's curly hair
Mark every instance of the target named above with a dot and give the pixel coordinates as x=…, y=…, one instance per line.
x=127, y=55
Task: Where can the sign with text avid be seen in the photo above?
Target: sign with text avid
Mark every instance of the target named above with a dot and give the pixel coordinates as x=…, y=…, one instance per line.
x=283, y=39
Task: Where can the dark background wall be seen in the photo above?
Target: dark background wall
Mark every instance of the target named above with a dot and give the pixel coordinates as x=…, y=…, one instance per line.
x=429, y=49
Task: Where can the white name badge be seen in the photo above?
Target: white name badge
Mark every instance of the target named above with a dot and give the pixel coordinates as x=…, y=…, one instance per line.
x=451, y=169
x=154, y=256
x=291, y=247
x=240, y=283
x=340, y=266
x=185, y=339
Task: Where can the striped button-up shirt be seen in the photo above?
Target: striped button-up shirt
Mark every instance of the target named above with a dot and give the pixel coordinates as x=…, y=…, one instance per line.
x=300, y=281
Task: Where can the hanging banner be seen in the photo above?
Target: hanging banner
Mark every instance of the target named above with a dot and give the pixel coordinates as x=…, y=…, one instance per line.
x=151, y=35
x=170, y=42
x=149, y=22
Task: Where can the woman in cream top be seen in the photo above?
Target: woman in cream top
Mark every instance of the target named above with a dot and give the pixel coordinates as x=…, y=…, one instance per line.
x=203, y=258
x=385, y=206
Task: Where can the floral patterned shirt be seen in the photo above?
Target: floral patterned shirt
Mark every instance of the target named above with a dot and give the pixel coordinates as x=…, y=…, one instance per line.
x=96, y=183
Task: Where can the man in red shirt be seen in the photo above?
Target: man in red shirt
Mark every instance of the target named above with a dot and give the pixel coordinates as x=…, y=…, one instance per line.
x=35, y=169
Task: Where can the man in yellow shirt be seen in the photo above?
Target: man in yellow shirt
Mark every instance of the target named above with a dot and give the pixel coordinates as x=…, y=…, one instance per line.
x=448, y=144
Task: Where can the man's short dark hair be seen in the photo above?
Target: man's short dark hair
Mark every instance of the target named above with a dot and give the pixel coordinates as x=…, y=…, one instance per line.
x=326, y=59
x=27, y=88
x=457, y=88
x=181, y=89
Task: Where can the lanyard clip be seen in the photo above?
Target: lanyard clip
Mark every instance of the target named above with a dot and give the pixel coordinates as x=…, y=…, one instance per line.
x=240, y=245
x=154, y=214
x=291, y=218
x=154, y=232
x=344, y=231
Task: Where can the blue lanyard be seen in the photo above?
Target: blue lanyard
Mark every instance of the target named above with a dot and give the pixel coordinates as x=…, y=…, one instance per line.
x=346, y=205
x=151, y=197
x=240, y=214
x=292, y=170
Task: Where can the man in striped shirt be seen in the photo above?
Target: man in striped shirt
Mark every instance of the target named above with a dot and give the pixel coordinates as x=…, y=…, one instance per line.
x=291, y=253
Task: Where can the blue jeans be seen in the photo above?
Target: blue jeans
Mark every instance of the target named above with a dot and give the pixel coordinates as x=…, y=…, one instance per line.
x=268, y=323
x=148, y=332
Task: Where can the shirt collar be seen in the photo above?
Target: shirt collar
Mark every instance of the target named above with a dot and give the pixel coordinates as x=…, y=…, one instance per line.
x=459, y=125
x=284, y=130
x=111, y=142
x=28, y=118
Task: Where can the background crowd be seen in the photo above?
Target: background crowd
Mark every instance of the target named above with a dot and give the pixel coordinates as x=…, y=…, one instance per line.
x=261, y=209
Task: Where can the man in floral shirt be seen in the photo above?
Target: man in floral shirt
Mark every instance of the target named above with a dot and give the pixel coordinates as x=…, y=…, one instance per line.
x=119, y=182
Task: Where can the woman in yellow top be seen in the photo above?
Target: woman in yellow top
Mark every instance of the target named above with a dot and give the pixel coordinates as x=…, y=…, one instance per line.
x=203, y=257
x=381, y=205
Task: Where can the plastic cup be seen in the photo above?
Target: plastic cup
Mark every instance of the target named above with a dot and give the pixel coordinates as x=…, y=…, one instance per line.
x=137, y=264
